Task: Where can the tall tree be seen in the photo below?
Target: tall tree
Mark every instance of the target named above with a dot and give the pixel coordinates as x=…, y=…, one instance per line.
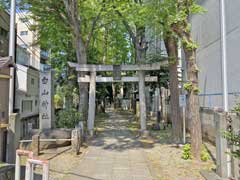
x=78, y=18
x=161, y=21
x=171, y=44
x=182, y=28
x=174, y=17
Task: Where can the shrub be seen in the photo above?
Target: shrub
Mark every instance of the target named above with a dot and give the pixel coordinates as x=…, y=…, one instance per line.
x=204, y=154
x=233, y=139
x=68, y=118
x=58, y=102
x=186, y=154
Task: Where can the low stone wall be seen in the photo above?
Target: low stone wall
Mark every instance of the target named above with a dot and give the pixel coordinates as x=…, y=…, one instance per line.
x=208, y=124
x=49, y=134
x=7, y=172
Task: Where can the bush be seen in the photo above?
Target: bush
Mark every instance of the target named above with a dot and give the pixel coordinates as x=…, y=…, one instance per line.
x=68, y=118
x=58, y=102
x=204, y=154
x=186, y=154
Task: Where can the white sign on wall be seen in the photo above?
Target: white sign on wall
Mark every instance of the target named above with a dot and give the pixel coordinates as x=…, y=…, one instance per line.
x=46, y=107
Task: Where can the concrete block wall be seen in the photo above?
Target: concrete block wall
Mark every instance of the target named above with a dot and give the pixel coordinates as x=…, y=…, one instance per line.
x=208, y=124
x=213, y=124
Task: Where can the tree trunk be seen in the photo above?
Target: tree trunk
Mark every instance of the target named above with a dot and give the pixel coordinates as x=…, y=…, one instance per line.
x=193, y=104
x=172, y=50
x=73, y=16
x=83, y=87
x=105, y=46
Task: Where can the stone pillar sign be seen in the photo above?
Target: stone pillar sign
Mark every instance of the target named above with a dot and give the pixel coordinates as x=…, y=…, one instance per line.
x=46, y=106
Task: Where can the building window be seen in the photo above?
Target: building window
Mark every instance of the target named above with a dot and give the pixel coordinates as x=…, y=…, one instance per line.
x=36, y=102
x=23, y=33
x=24, y=20
x=25, y=46
x=32, y=81
x=26, y=106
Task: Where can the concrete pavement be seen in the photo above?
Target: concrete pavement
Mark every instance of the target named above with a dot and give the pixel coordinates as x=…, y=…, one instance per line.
x=114, y=154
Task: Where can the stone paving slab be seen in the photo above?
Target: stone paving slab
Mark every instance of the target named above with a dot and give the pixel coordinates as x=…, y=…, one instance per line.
x=114, y=155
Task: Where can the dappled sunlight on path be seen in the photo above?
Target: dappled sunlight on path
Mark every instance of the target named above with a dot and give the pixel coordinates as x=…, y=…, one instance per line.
x=115, y=154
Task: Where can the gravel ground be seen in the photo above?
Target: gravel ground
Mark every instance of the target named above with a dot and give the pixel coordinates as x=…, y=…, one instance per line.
x=164, y=158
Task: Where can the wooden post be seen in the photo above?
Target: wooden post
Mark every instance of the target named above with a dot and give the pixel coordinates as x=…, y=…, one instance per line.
x=221, y=144
x=92, y=104
x=142, y=101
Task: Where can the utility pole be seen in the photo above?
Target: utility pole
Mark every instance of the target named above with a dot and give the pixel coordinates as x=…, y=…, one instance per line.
x=12, y=53
x=182, y=96
x=224, y=68
x=12, y=79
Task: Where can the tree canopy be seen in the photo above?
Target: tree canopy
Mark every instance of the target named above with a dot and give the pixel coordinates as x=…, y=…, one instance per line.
x=119, y=32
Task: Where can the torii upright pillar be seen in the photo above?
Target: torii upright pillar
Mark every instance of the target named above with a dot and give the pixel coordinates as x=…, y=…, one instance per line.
x=142, y=99
x=92, y=104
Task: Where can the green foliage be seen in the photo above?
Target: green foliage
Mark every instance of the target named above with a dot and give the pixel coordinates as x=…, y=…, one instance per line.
x=4, y=4
x=197, y=9
x=190, y=45
x=204, y=154
x=68, y=118
x=186, y=154
x=236, y=108
x=196, y=89
x=233, y=139
x=188, y=86
x=58, y=101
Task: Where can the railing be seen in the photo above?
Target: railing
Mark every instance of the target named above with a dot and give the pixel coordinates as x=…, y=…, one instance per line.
x=45, y=140
x=32, y=160
x=75, y=141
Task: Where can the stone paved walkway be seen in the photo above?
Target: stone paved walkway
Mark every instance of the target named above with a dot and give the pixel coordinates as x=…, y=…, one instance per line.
x=114, y=155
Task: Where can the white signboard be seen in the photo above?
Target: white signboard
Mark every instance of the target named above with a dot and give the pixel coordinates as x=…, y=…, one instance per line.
x=46, y=100
x=182, y=100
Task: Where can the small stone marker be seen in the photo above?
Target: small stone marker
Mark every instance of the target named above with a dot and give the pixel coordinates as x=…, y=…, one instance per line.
x=46, y=114
x=76, y=141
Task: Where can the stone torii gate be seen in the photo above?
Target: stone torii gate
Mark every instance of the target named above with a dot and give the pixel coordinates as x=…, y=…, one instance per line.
x=116, y=69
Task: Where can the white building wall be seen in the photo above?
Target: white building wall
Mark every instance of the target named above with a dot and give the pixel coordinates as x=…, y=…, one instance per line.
x=27, y=89
x=28, y=39
x=206, y=31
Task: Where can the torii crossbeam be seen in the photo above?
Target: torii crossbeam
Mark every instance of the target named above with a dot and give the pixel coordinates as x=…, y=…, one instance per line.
x=93, y=78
